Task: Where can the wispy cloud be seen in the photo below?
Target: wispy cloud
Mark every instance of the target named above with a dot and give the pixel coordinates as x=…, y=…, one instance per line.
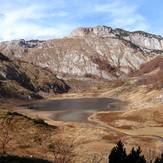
x=43, y=19
x=30, y=22
x=124, y=15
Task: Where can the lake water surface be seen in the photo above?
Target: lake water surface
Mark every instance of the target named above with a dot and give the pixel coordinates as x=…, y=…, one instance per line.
x=77, y=110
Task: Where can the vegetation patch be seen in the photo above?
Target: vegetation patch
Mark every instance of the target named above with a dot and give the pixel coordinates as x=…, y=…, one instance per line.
x=36, y=121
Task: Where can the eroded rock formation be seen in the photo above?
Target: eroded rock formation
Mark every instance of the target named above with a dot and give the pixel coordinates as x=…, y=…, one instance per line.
x=99, y=51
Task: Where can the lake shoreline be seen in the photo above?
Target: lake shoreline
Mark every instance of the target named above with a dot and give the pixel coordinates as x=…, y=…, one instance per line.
x=76, y=110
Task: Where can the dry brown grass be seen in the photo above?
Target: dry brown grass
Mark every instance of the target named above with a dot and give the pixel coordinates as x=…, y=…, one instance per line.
x=27, y=137
x=104, y=65
x=113, y=116
x=150, y=66
x=137, y=122
x=150, y=74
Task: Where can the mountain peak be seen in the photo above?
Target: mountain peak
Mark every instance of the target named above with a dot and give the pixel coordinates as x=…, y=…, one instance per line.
x=142, y=39
x=96, y=31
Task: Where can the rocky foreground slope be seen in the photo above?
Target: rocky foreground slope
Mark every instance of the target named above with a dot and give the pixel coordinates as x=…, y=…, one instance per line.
x=23, y=80
x=100, y=52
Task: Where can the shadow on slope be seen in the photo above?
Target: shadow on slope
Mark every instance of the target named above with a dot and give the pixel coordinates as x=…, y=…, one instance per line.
x=17, y=159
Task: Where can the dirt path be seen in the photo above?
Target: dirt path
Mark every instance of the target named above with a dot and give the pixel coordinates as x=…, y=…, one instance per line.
x=93, y=122
x=93, y=119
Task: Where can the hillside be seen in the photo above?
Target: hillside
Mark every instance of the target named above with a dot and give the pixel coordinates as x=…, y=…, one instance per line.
x=23, y=80
x=151, y=73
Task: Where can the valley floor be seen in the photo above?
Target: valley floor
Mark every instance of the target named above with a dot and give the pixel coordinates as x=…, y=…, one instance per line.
x=139, y=125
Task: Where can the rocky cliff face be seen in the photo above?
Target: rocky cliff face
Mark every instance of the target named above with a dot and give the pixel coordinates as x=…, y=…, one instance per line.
x=139, y=38
x=100, y=52
x=16, y=48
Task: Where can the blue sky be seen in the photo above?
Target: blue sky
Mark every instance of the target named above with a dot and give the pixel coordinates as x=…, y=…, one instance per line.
x=46, y=19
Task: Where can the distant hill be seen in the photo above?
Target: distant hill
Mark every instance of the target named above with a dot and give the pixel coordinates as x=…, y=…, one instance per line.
x=19, y=79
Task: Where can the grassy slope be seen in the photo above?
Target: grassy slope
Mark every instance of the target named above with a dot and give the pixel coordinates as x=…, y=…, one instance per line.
x=28, y=136
x=24, y=80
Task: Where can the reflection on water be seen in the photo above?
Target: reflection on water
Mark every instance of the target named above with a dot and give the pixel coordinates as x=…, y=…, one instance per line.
x=77, y=110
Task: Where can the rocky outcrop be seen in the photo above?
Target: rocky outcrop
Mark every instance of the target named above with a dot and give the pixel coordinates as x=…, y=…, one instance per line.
x=139, y=38
x=101, y=31
x=16, y=48
x=100, y=51
x=24, y=80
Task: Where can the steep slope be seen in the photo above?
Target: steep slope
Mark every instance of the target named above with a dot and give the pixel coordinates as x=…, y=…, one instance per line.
x=100, y=52
x=151, y=73
x=24, y=80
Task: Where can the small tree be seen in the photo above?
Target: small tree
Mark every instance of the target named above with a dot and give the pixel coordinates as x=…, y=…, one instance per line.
x=151, y=155
x=63, y=151
x=135, y=156
x=118, y=154
x=5, y=135
x=159, y=159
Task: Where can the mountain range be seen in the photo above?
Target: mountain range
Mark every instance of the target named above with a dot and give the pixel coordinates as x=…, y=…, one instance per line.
x=95, y=52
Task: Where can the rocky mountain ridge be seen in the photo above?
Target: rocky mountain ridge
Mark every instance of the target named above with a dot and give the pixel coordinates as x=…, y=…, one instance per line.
x=142, y=39
x=98, y=52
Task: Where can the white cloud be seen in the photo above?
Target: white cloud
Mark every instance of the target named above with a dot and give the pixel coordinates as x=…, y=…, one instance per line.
x=34, y=31
x=121, y=14
x=45, y=19
x=24, y=22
